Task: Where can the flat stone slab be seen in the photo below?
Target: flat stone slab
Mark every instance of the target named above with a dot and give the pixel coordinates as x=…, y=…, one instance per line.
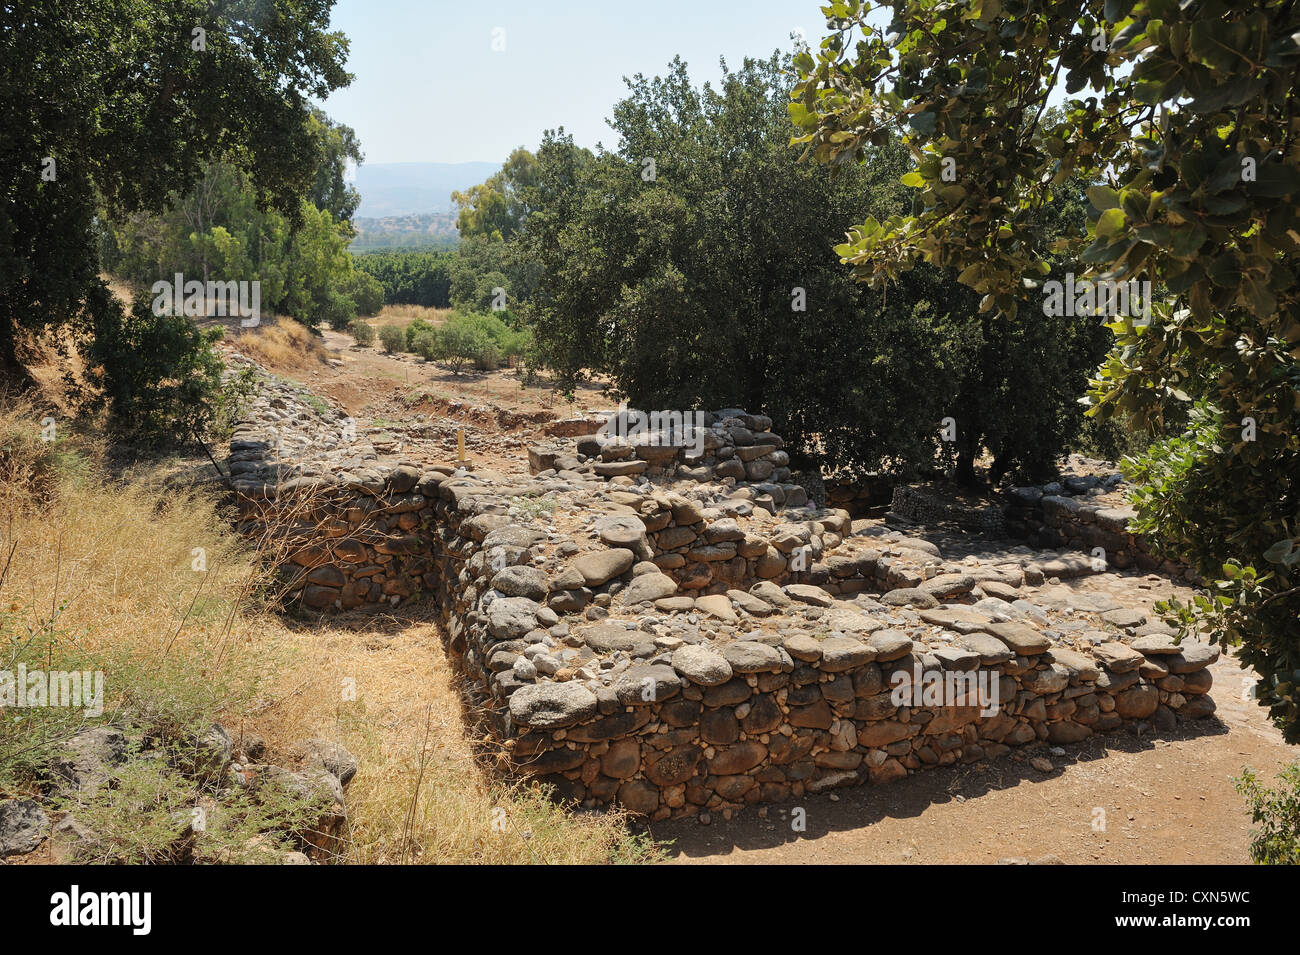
x=1117, y=657
x=750, y=656
x=809, y=594
x=552, y=705
x=960, y=619
x=991, y=650
x=890, y=645
x=1025, y=640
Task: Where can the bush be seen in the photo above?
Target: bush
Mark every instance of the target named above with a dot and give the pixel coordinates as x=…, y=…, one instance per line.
x=338, y=311
x=362, y=331
x=425, y=344
x=157, y=375
x=1277, y=841
x=367, y=293
x=414, y=331
x=392, y=338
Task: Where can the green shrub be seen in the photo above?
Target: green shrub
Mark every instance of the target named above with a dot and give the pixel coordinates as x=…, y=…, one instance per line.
x=157, y=375
x=368, y=293
x=362, y=331
x=338, y=311
x=392, y=338
x=1277, y=812
x=425, y=344
x=414, y=331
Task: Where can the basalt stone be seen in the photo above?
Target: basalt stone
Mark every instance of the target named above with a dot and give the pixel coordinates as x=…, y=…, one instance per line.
x=521, y=581
x=1195, y=656
x=613, y=725
x=681, y=712
x=890, y=645
x=1138, y=702
x=622, y=760
x=738, y=758
x=845, y=653
x=816, y=716
x=728, y=694
x=702, y=665
x=1117, y=657
x=648, y=588
x=552, y=705
x=644, y=684
x=673, y=767
x=601, y=566
x=1024, y=640
x=764, y=715
x=511, y=617
x=750, y=656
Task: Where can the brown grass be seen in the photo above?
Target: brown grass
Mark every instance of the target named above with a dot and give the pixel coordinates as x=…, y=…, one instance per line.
x=282, y=344
x=403, y=315
x=112, y=565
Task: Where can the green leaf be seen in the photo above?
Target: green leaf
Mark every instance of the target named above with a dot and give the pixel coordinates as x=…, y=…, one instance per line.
x=1103, y=198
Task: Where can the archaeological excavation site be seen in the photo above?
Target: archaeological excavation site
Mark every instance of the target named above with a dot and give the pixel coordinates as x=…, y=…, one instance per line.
x=677, y=623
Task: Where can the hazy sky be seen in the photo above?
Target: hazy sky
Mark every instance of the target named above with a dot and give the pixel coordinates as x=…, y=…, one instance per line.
x=430, y=88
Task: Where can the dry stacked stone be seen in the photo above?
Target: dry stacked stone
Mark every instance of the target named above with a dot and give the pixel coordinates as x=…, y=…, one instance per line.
x=718, y=640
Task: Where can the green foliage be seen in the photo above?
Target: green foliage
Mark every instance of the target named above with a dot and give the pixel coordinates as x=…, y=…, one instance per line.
x=362, y=332
x=367, y=293
x=1188, y=135
x=415, y=330
x=410, y=278
x=157, y=375
x=649, y=281
x=486, y=273
x=484, y=341
x=393, y=338
x=1277, y=813
x=496, y=209
x=125, y=138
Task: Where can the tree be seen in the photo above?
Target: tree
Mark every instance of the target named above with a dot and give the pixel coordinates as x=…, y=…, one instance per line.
x=693, y=267
x=1189, y=138
x=497, y=208
x=119, y=104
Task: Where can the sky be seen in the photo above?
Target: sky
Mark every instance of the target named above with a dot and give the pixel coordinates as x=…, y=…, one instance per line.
x=429, y=86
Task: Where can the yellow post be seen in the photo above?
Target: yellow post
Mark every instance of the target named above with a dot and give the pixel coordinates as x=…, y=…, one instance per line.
x=460, y=445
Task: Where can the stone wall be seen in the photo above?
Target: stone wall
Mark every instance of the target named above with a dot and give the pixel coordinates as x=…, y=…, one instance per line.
x=1075, y=515
x=717, y=642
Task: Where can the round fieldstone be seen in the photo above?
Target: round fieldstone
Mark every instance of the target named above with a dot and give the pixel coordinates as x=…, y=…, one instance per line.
x=702, y=665
x=521, y=581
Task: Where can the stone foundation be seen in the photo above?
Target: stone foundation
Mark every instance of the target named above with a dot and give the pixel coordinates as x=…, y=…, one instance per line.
x=715, y=642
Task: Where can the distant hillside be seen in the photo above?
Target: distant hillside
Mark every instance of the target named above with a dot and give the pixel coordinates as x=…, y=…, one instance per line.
x=415, y=188
x=432, y=230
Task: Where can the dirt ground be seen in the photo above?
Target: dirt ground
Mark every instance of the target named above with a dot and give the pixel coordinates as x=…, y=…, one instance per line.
x=1118, y=800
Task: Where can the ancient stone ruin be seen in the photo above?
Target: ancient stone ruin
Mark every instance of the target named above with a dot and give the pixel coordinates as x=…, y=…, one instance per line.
x=667, y=621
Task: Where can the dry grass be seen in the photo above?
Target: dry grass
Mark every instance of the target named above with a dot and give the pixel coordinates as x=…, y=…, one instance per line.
x=403, y=315
x=111, y=570
x=282, y=344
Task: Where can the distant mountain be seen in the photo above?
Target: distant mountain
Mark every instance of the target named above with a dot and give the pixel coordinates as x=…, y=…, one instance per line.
x=415, y=188
x=431, y=230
